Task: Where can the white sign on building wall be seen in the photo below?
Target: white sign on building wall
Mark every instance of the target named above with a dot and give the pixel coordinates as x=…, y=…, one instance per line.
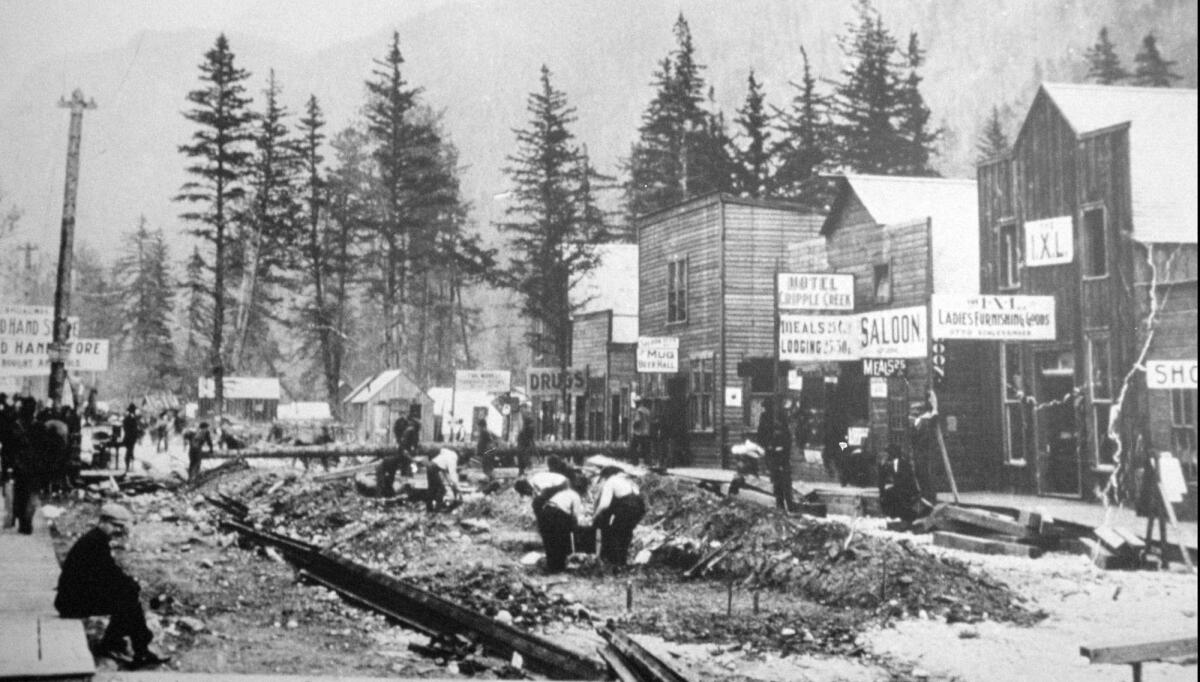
x=815, y=291
x=896, y=333
x=483, y=380
x=990, y=317
x=658, y=354
x=1049, y=242
x=1168, y=374
x=550, y=381
x=817, y=338
x=19, y=357
x=31, y=322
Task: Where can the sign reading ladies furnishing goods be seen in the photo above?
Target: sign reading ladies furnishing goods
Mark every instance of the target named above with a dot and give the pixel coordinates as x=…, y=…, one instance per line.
x=1171, y=374
x=1049, y=242
x=815, y=291
x=997, y=318
x=550, y=381
x=483, y=380
x=658, y=354
x=817, y=338
x=897, y=333
x=25, y=358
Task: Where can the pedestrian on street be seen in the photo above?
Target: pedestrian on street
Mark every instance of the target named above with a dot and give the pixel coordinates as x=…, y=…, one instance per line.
x=639, y=438
x=92, y=584
x=776, y=440
x=485, y=447
x=131, y=432
x=525, y=442
x=39, y=453
x=196, y=443
x=385, y=471
x=899, y=492
x=442, y=475
x=619, y=509
x=562, y=516
x=925, y=425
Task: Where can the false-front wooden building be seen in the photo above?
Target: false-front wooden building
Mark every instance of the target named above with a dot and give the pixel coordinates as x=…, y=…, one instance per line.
x=1096, y=206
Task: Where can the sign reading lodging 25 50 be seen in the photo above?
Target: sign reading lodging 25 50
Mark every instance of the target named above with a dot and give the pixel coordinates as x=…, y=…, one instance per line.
x=550, y=381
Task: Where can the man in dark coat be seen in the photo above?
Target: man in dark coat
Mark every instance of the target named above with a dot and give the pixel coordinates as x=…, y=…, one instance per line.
x=131, y=431
x=776, y=440
x=196, y=443
x=92, y=584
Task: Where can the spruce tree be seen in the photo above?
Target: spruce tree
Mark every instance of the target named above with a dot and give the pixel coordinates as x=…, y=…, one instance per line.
x=197, y=320
x=805, y=142
x=753, y=171
x=993, y=141
x=1153, y=70
x=868, y=100
x=1104, y=66
x=147, y=298
x=219, y=154
x=918, y=139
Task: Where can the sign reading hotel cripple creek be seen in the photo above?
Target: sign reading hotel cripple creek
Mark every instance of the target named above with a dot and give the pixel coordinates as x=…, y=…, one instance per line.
x=993, y=318
x=815, y=291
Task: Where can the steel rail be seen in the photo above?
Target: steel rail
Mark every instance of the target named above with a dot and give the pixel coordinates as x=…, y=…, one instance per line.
x=644, y=665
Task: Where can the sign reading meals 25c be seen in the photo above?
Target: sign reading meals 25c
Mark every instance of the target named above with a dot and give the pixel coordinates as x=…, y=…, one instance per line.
x=815, y=291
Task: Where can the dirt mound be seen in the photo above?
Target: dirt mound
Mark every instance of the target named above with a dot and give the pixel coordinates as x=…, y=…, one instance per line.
x=504, y=593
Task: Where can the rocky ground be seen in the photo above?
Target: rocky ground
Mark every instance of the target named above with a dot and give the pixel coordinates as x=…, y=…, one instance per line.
x=788, y=599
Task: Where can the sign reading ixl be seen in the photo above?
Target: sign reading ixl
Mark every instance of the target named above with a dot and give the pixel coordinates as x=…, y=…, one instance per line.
x=1049, y=242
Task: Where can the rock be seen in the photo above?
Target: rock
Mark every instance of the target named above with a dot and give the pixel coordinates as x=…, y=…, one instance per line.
x=189, y=624
x=292, y=624
x=788, y=632
x=504, y=617
x=968, y=633
x=206, y=563
x=475, y=525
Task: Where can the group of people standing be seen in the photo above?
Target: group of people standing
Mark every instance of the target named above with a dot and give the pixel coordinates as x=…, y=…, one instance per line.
x=35, y=450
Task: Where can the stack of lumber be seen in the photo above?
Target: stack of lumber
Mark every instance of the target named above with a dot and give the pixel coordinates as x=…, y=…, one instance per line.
x=991, y=532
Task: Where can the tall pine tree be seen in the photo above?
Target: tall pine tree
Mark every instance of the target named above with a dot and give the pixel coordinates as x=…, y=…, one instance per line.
x=1104, y=66
x=805, y=143
x=147, y=298
x=993, y=141
x=219, y=155
x=753, y=171
x=1153, y=70
x=868, y=100
x=919, y=139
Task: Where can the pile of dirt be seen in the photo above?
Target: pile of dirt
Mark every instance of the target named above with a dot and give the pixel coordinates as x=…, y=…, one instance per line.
x=506, y=594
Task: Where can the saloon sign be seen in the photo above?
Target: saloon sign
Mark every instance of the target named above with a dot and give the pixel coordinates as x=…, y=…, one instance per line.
x=896, y=333
x=550, y=381
x=995, y=318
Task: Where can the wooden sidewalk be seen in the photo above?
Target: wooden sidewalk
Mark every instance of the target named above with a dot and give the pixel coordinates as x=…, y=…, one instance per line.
x=34, y=642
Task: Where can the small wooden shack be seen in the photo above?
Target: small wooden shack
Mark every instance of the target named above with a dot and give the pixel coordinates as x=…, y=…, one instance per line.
x=252, y=399
x=375, y=403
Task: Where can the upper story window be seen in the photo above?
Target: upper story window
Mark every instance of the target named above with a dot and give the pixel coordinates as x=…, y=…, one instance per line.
x=1009, y=250
x=1094, y=254
x=883, y=283
x=677, y=272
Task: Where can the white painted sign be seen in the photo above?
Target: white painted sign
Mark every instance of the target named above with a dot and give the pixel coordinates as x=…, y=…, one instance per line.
x=817, y=338
x=483, y=380
x=32, y=322
x=1049, y=242
x=795, y=380
x=897, y=333
x=815, y=291
x=19, y=357
x=999, y=318
x=1168, y=374
x=733, y=396
x=878, y=387
x=549, y=381
x=658, y=354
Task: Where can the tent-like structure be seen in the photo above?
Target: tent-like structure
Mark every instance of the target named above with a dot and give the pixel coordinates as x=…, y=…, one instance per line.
x=376, y=402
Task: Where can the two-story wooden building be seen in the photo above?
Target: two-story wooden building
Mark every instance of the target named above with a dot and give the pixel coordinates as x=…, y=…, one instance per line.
x=1096, y=206
x=706, y=276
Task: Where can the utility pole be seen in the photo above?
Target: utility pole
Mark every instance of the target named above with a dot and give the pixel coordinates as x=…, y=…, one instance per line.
x=66, y=248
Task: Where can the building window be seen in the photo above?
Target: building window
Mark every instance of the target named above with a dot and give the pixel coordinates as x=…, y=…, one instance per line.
x=1015, y=420
x=883, y=283
x=1010, y=256
x=1095, y=245
x=677, y=291
x=701, y=407
x=1100, y=395
x=1183, y=429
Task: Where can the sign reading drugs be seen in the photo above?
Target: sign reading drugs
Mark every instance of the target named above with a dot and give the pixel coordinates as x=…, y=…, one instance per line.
x=483, y=380
x=658, y=354
x=996, y=318
x=815, y=291
x=26, y=358
x=817, y=338
x=1168, y=374
x=897, y=333
x=1049, y=242
x=549, y=381
x=31, y=322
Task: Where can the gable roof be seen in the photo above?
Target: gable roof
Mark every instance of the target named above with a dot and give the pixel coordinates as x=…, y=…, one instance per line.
x=897, y=199
x=1162, y=149
x=242, y=388
x=371, y=386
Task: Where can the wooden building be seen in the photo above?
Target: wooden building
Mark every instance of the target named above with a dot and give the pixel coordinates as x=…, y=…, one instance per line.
x=902, y=239
x=373, y=406
x=1100, y=185
x=706, y=273
x=251, y=399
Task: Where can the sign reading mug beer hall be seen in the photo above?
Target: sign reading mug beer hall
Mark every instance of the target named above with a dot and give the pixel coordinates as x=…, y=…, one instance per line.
x=1049, y=242
x=991, y=317
x=483, y=380
x=814, y=291
x=549, y=381
x=658, y=354
x=1168, y=374
x=894, y=333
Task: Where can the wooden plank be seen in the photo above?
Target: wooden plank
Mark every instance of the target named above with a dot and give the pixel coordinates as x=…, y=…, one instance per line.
x=1134, y=542
x=33, y=646
x=1137, y=652
x=986, y=520
x=983, y=545
x=1112, y=540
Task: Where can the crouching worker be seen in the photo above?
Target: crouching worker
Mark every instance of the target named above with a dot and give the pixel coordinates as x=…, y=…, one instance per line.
x=900, y=494
x=541, y=487
x=619, y=508
x=92, y=584
x=561, y=517
x=442, y=474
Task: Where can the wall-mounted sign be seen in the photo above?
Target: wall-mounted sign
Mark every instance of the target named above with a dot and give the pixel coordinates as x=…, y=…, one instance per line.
x=878, y=387
x=815, y=291
x=817, y=338
x=1167, y=374
x=884, y=367
x=733, y=396
x=549, y=381
x=795, y=380
x=32, y=323
x=896, y=333
x=19, y=357
x=658, y=354
x=483, y=380
x=1049, y=242
x=1000, y=318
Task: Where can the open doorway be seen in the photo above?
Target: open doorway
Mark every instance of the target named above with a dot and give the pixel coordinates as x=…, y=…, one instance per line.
x=1057, y=431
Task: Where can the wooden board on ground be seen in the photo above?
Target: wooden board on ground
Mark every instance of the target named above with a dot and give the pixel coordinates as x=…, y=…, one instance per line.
x=41, y=646
x=1138, y=652
x=984, y=545
x=985, y=520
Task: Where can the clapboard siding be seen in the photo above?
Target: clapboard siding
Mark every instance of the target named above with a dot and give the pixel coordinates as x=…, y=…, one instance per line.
x=589, y=341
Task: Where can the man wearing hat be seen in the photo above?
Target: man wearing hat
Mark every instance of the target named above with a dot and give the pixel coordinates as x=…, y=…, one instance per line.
x=131, y=431
x=92, y=584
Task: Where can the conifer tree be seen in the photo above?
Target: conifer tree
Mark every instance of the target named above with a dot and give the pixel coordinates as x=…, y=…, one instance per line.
x=94, y=289
x=197, y=320
x=993, y=141
x=1153, y=70
x=918, y=139
x=867, y=100
x=1104, y=66
x=805, y=142
x=219, y=154
x=753, y=171
x=147, y=297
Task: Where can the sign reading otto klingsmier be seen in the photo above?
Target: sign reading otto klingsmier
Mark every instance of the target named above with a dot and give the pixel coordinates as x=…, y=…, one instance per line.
x=815, y=291
x=997, y=318
x=658, y=354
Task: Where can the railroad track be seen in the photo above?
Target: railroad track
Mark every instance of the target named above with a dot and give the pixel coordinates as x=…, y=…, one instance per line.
x=447, y=621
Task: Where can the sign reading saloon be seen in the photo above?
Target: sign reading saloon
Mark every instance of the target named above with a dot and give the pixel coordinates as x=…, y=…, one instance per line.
x=815, y=291
x=549, y=381
x=1049, y=242
x=483, y=380
x=817, y=338
x=997, y=318
x=897, y=333
x=658, y=354
x=1167, y=374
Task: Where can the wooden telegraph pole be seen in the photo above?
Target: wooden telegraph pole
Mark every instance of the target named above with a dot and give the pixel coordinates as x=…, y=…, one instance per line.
x=62, y=289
